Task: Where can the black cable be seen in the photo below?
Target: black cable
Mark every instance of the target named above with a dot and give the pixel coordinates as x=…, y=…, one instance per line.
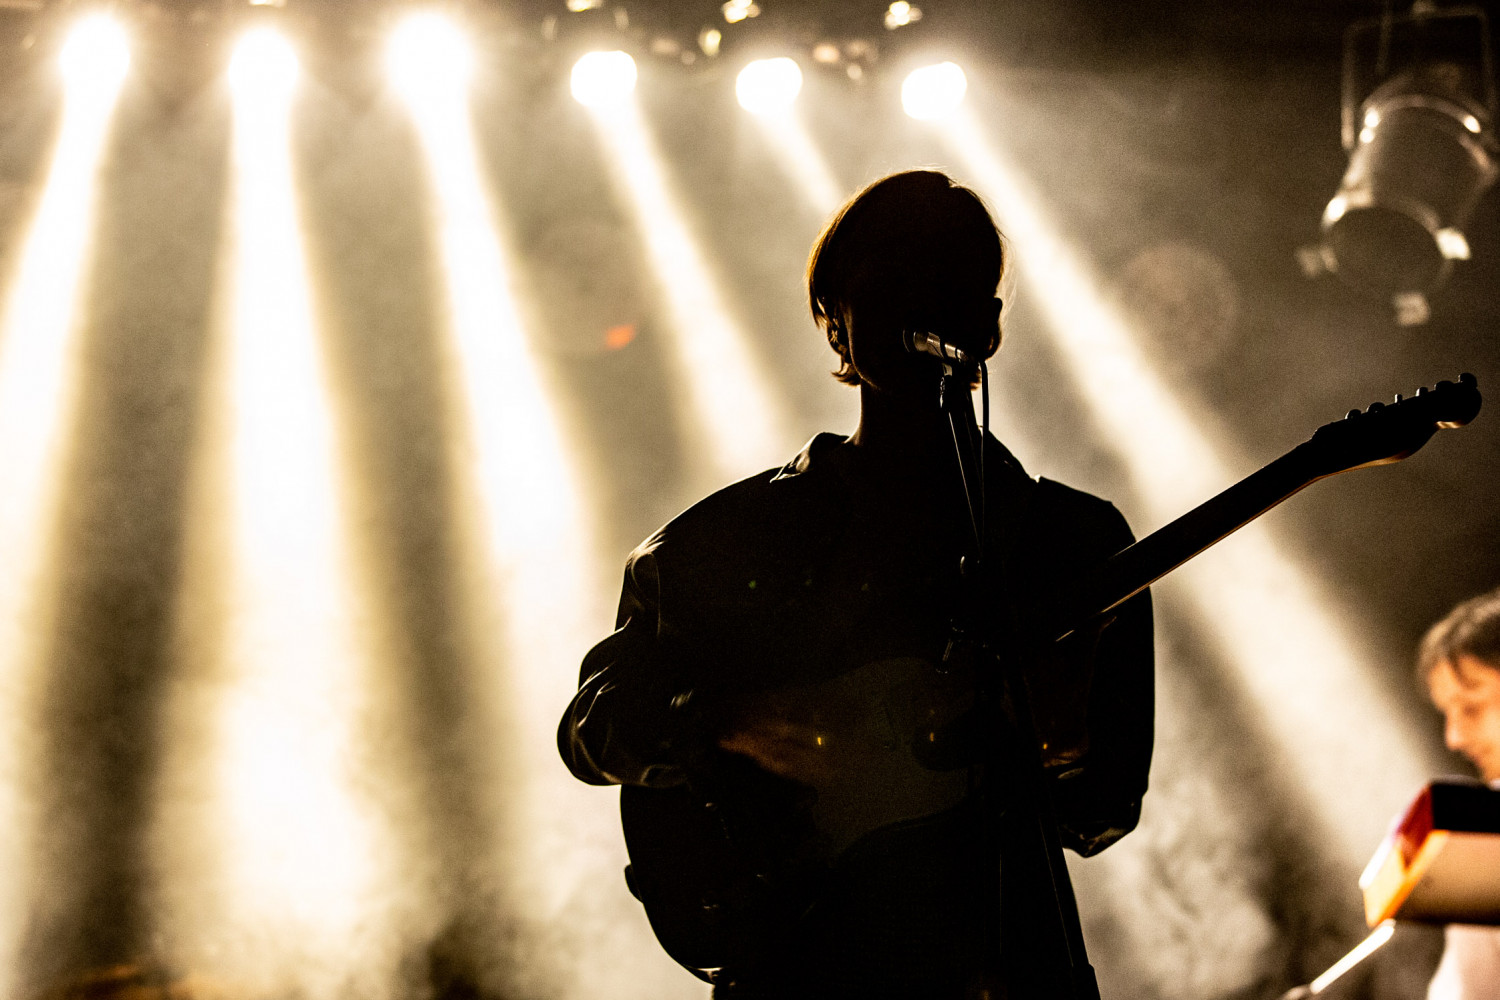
x=984, y=433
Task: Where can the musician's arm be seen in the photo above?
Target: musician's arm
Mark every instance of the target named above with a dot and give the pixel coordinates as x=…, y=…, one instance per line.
x=1099, y=801
x=629, y=723
x=1098, y=797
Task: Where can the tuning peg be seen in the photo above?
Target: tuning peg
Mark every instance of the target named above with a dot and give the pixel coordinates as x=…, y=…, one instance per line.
x=1445, y=384
x=1376, y=407
x=1398, y=398
x=1423, y=390
x=1352, y=414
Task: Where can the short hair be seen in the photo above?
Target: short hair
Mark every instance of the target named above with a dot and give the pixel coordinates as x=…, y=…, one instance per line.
x=1470, y=629
x=933, y=235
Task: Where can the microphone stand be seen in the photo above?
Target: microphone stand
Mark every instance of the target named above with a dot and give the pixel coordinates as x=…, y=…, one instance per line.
x=1007, y=727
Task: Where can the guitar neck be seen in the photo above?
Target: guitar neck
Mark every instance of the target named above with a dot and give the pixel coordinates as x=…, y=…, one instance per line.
x=1136, y=567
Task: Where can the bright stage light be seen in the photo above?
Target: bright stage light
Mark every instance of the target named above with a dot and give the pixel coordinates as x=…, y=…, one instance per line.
x=800, y=158
x=603, y=79
x=428, y=56
x=768, y=85
x=729, y=406
x=288, y=855
x=520, y=508
x=934, y=91
x=263, y=60
x=291, y=653
x=39, y=357
x=96, y=54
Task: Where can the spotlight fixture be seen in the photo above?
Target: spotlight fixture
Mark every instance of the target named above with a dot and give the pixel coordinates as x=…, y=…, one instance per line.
x=601, y=79
x=934, y=91
x=768, y=85
x=1419, y=129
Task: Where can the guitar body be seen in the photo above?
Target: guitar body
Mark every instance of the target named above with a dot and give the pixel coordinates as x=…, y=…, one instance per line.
x=726, y=867
x=710, y=902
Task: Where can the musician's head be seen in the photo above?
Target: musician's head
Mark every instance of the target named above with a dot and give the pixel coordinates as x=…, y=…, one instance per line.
x=913, y=251
x=1459, y=661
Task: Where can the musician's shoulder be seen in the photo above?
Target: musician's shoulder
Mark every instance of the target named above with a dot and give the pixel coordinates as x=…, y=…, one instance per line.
x=782, y=484
x=1082, y=512
x=1072, y=497
x=756, y=506
x=1047, y=500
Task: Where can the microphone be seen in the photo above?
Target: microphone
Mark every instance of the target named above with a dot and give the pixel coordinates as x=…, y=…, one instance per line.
x=919, y=342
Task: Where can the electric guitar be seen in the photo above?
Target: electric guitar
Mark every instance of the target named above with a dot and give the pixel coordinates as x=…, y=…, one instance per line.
x=724, y=869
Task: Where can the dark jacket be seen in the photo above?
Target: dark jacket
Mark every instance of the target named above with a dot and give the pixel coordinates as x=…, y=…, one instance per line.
x=785, y=588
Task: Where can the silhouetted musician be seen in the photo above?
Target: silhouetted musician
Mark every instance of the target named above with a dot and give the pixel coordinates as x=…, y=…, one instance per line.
x=803, y=764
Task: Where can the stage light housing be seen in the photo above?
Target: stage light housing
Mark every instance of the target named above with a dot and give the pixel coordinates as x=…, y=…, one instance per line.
x=1422, y=152
x=603, y=79
x=934, y=92
x=1420, y=165
x=768, y=85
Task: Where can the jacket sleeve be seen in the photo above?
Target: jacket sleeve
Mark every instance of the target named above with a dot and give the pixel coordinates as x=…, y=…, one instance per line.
x=1100, y=801
x=1098, y=798
x=628, y=722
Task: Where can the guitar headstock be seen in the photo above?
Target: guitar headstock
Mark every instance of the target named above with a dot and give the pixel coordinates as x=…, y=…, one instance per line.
x=1388, y=432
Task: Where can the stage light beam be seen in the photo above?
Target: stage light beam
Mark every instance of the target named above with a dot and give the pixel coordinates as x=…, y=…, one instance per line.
x=728, y=407
x=294, y=867
x=768, y=88
x=39, y=356
x=522, y=501
x=800, y=158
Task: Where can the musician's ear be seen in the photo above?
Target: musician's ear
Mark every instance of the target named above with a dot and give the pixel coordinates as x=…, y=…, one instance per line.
x=836, y=337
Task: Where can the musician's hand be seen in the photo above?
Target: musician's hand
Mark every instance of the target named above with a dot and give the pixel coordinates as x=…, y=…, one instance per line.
x=796, y=749
x=1059, y=688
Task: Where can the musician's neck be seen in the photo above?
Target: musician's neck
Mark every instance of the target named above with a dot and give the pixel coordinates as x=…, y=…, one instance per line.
x=898, y=434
